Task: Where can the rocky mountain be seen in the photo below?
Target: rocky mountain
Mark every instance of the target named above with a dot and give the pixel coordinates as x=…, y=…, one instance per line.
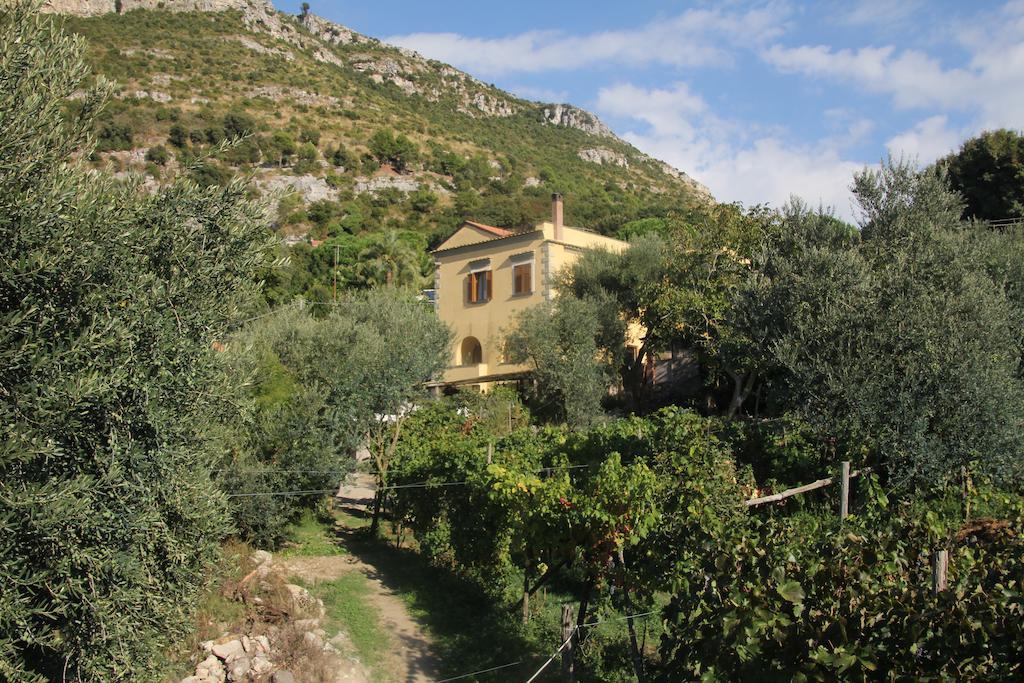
x=354, y=135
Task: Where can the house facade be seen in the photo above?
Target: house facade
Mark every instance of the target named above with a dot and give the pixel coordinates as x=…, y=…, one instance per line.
x=485, y=275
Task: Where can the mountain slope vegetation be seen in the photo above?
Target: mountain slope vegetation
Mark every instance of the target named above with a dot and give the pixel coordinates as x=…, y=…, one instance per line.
x=350, y=136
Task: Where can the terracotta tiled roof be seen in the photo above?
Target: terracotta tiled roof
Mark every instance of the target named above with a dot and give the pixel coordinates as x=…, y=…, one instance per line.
x=497, y=232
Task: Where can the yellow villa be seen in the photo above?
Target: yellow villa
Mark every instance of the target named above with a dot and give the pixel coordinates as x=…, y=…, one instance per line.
x=485, y=275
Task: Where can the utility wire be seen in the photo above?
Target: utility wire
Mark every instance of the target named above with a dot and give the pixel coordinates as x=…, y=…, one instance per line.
x=280, y=493
x=482, y=671
x=620, y=618
x=416, y=485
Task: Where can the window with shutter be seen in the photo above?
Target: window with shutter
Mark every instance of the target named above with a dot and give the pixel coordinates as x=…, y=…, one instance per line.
x=478, y=287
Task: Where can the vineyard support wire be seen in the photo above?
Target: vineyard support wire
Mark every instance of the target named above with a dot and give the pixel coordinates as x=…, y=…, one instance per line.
x=553, y=655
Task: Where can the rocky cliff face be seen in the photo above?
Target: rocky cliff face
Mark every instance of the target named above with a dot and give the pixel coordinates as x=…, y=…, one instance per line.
x=90, y=8
x=574, y=117
x=275, y=35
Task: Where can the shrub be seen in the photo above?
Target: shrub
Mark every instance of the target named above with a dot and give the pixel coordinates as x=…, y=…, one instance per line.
x=158, y=155
x=310, y=135
x=178, y=136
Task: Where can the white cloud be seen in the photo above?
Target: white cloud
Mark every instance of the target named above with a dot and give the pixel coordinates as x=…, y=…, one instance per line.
x=881, y=13
x=990, y=85
x=696, y=37
x=927, y=141
x=912, y=78
x=736, y=162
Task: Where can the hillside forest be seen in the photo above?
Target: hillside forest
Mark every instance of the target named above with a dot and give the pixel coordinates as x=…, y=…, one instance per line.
x=174, y=360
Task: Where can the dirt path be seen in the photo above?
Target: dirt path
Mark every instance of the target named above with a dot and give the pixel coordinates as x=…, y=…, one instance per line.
x=409, y=659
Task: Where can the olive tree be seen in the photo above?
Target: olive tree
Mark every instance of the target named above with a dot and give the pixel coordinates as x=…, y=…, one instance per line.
x=111, y=303
x=897, y=339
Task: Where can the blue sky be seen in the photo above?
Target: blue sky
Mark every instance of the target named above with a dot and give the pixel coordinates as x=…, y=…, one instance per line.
x=757, y=100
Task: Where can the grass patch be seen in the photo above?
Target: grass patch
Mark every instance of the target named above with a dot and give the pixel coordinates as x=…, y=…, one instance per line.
x=346, y=600
x=310, y=536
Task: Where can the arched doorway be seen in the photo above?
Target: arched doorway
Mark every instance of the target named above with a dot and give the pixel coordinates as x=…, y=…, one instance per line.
x=471, y=354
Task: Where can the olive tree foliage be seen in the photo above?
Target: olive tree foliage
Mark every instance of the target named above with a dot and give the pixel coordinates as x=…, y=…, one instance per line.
x=616, y=288
x=303, y=420
x=897, y=339
x=110, y=392
x=707, y=265
x=400, y=344
x=571, y=374
x=676, y=287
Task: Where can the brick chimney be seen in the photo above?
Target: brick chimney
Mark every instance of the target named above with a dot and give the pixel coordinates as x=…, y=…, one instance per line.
x=556, y=216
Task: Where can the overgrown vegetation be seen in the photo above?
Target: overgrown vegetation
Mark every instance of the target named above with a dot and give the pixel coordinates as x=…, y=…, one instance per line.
x=110, y=390
x=153, y=406
x=345, y=128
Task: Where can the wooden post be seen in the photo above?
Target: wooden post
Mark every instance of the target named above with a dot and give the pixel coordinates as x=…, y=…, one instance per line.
x=526, y=593
x=510, y=417
x=490, y=451
x=567, y=634
x=844, y=502
x=940, y=563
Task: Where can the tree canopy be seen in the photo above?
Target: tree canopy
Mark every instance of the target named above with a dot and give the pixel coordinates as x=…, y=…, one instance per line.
x=988, y=170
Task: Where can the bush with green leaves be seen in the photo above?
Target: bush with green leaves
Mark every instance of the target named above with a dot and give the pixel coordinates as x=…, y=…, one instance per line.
x=111, y=394
x=805, y=597
x=158, y=155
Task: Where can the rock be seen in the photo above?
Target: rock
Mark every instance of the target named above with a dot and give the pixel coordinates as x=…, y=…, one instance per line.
x=493, y=106
x=341, y=642
x=239, y=668
x=262, y=49
x=206, y=646
x=310, y=188
x=229, y=650
x=574, y=117
x=261, y=665
x=247, y=644
x=279, y=93
x=306, y=624
x=263, y=644
x=329, y=32
x=327, y=57
x=600, y=155
x=262, y=557
x=313, y=640
x=211, y=669
x=282, y=676
x=192, y=679
x=154, y=95
x=375, y=185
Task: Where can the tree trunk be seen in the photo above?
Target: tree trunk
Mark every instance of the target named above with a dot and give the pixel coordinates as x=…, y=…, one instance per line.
x=378, y=499
x=966, y=486
x=741, y=388
x=526, y=592
x=540, y=582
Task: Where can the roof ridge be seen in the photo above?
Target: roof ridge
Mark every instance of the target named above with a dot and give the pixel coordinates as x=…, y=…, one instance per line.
x=500, y=232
